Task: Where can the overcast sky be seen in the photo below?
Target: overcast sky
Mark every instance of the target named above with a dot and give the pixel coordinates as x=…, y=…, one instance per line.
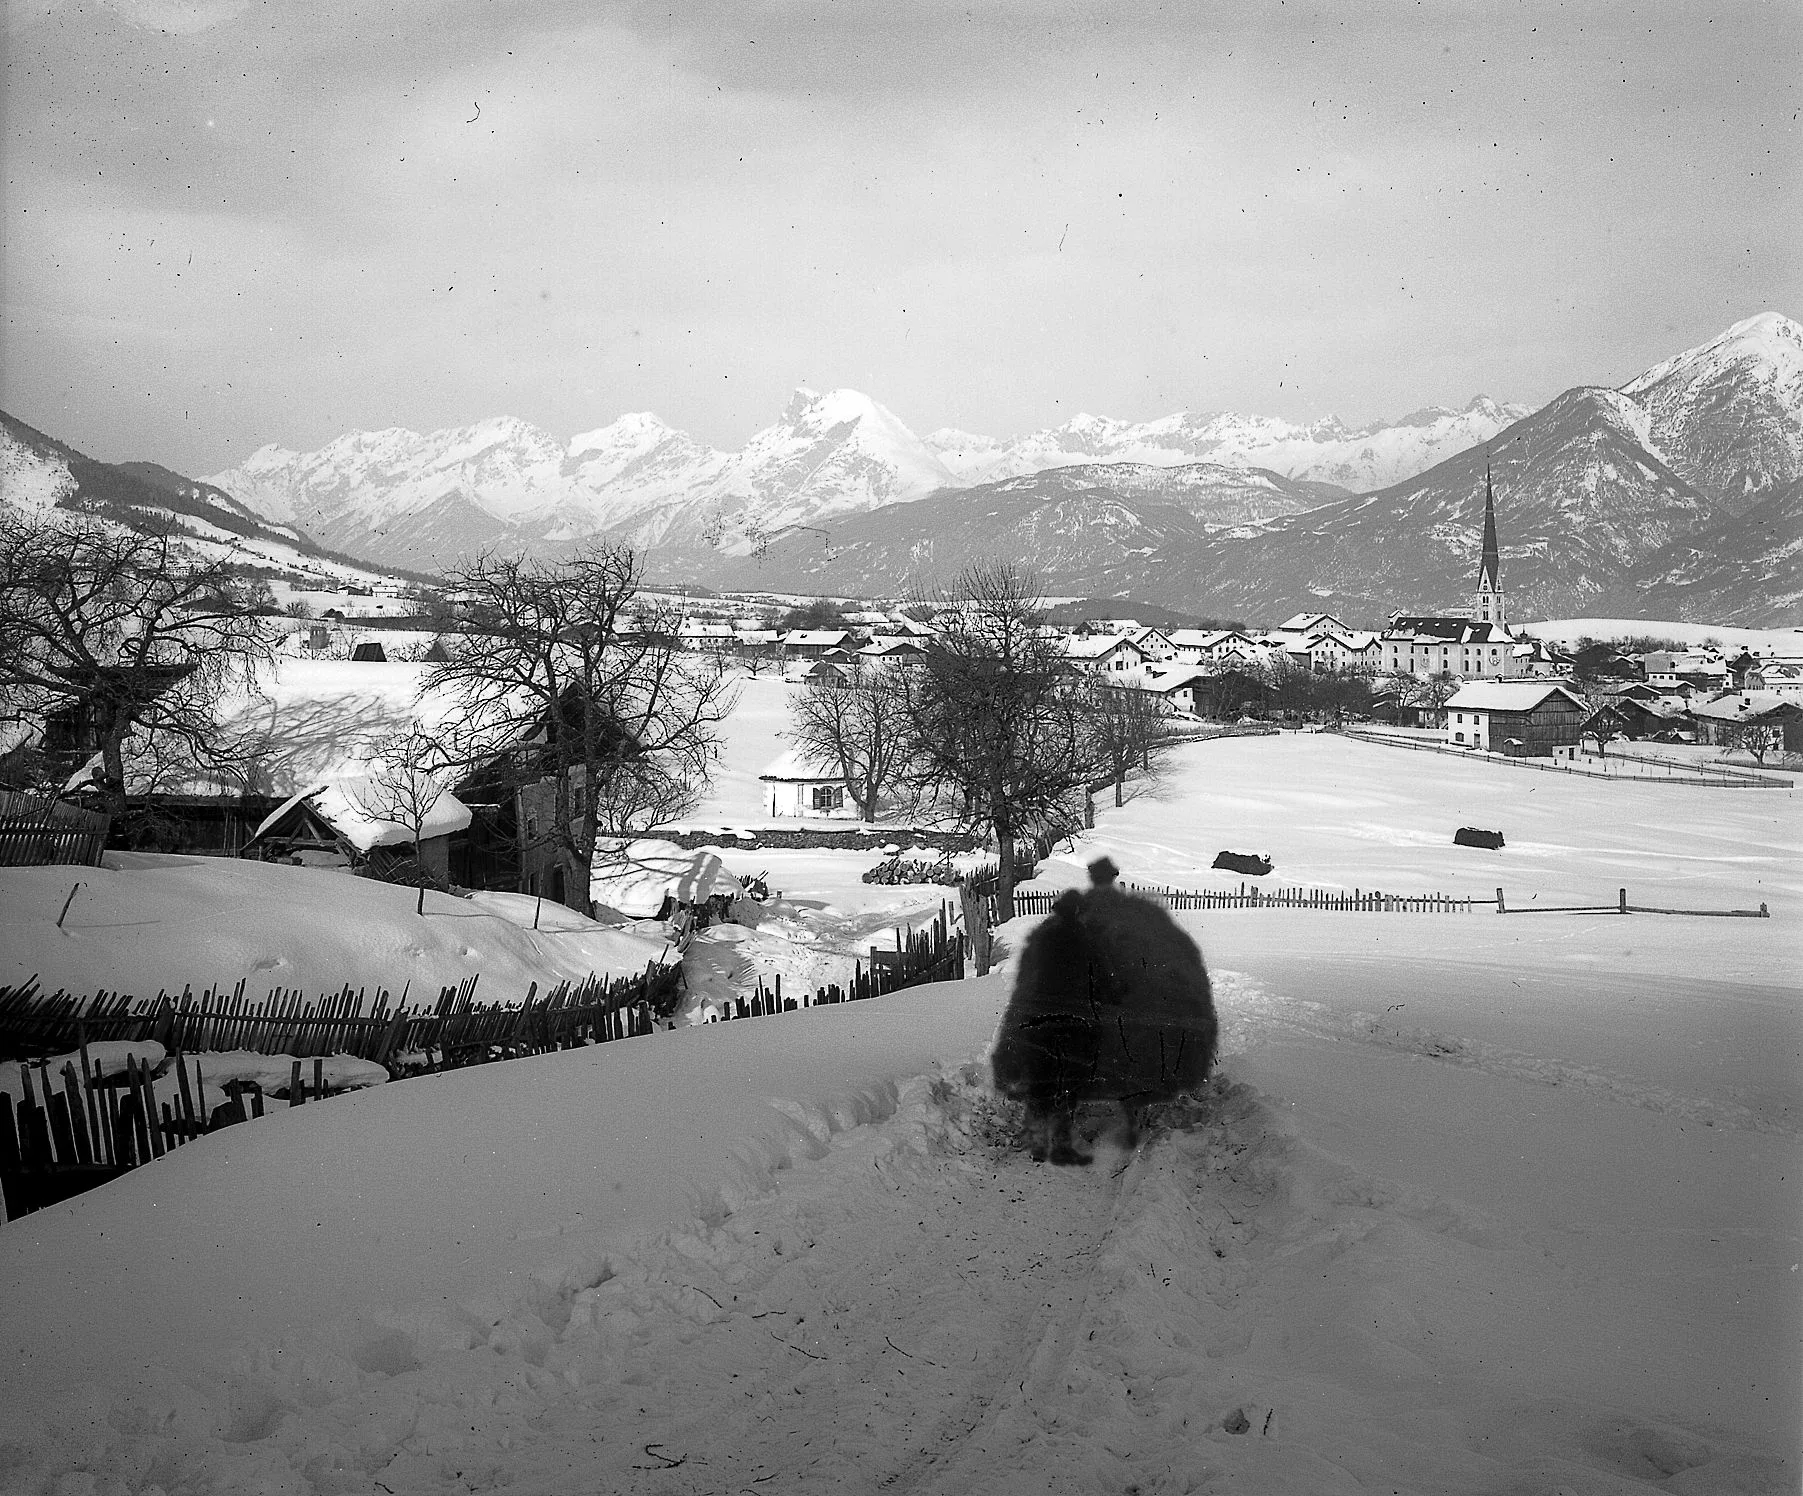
x=231, y=222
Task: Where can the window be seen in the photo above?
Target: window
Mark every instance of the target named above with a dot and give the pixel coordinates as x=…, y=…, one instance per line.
x=829, y=797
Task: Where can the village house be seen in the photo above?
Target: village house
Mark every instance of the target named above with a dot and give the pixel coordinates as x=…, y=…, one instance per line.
x=1519, y=718
x=1102, y=654
x=812, y=644
x=706, y=634
x=1750, y=719
x=1698, y=670
x=1155, y=645
x=885, y=652
x=1627, y=716
x=1176, y=686
x=799, y=785
x=1308, y=625
x=1194, y=646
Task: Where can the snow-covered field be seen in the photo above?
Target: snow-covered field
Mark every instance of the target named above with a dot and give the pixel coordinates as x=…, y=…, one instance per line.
x=1768, y=643
x=1477, y=1203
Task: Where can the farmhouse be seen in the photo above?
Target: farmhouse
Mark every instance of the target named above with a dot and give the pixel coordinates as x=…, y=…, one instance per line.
x=1758, y=720
x=797, y=785
x=891, y=652
x=360, y=819
x=1521, y=718
x=811, y=644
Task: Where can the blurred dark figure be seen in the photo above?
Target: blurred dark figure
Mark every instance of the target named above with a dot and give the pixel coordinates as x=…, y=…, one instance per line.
x=1111, y=1003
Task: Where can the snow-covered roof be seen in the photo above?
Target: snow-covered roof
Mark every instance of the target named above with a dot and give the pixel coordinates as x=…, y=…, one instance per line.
x=1301, y=623
x=353, y=807
x=797, y=767
x=828, y=637
x=882, y=648
x=1744, y=706
x=1095, y=646
x=1167, y=678
x=1509, y=695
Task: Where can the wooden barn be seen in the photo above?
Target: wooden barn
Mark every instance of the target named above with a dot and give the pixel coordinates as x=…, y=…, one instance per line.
x=358, y=820
x=1523, y=718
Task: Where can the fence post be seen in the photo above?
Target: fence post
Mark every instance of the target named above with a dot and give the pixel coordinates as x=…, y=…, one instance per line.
x=1624, y=901
x=1501, y=908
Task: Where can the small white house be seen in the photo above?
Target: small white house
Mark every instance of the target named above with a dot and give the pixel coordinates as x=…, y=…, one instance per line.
x=1103, y=654
x=796, y=785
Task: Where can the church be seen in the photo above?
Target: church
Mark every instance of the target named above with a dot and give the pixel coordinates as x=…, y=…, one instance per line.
x=1478, y=646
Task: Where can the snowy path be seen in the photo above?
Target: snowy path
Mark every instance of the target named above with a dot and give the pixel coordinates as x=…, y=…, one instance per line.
x=922, y=1309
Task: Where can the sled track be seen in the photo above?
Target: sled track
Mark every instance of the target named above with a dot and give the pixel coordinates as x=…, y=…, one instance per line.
x=920, y=1310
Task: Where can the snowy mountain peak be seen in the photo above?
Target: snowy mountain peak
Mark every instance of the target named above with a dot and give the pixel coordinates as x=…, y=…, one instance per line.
x=1729, y=413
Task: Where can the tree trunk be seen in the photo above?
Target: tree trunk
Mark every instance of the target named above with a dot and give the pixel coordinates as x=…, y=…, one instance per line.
x=1004, y=841
x=976, y=926
x=1120, y=782
x=112, y=760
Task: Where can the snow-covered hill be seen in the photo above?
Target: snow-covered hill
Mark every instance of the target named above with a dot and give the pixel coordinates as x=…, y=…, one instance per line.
x=43, y=478
x=1479, y=1204
x=1326, y=451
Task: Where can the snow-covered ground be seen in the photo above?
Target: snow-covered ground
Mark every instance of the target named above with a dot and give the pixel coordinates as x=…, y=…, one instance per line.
x=1767, y=643
x=1477, y=1203
x=146, y=922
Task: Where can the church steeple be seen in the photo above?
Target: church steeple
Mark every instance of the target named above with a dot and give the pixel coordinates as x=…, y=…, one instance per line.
x=1489, y=607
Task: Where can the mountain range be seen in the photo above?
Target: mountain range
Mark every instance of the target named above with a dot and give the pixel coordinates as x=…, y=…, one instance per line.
x=1674, y=491
x=428, y=499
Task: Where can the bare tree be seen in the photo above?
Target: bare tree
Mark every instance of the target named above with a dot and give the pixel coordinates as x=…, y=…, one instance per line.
x=570, y=677
x=1128, y=731
x=118, y=634
x=858, y=726
x=409, y=774
x=995, y=725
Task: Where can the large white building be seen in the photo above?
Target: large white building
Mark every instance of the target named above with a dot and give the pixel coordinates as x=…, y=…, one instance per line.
x=1479, y=646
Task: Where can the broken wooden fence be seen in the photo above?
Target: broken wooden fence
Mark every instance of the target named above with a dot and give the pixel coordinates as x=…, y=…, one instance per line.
x=934, y=954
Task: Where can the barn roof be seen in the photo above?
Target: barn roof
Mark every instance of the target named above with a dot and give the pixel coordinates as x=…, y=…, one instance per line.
x=1510, y=695
x=353, y=807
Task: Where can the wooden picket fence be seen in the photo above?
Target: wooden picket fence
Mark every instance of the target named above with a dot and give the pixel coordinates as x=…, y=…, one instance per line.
x=73, y=1129
x=35, y=830
x=1250, y=896
x=286, y=1022
x=934, y=954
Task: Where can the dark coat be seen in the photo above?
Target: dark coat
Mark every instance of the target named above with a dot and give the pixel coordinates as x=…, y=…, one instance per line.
x=1111, y=1002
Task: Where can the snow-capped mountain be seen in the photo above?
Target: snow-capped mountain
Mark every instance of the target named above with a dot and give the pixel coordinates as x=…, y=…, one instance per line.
x=1603, y=494
x=1729, y=414
x=1327, y=451
x=430, y=499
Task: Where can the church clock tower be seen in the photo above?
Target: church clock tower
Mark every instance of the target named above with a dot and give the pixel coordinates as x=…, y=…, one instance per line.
x=1489, y=602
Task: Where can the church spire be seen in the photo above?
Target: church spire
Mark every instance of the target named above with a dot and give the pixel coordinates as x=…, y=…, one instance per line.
x=1489, y=575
